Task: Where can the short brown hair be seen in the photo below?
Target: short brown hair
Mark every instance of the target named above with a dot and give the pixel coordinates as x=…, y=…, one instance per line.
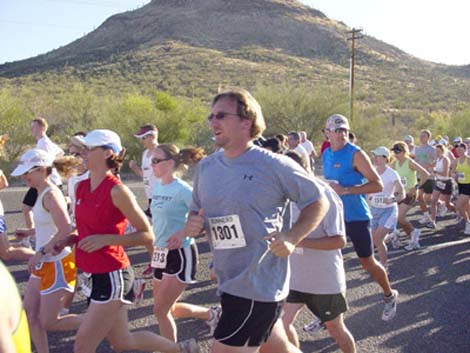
x=41, y=122
x=183, y=157
x=427, y=132
x=247, y=107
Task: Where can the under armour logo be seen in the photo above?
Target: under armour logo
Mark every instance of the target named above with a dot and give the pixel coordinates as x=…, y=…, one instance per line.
x=249, y=177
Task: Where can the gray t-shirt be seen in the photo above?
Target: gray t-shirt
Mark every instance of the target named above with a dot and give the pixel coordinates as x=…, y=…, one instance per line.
x=321, y=271
x=425, y=155
x=243, y=199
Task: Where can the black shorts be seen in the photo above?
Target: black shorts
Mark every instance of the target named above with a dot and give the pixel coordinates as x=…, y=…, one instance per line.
x=116, y=285
x=147, y=211
x=326, y=307
x=409, y=200
x=246, y=322
x=30, y=197
x=464, y=189
x=180, y=263
x=361, y=237
x=443, y=186
x=428, y=186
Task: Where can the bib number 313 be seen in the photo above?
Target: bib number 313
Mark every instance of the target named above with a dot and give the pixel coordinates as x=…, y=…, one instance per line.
x=159, y=257
x=226, y=232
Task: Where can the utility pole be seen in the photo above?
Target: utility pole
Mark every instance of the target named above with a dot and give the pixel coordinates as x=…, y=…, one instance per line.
x=355, y=33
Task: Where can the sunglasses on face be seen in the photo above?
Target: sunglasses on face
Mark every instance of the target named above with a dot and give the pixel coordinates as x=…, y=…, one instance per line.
x=219, y=116
x=340, y=130
x=397, y=150
x=156, y=160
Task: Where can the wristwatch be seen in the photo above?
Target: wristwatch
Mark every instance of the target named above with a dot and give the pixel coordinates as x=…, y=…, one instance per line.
x=42, y=250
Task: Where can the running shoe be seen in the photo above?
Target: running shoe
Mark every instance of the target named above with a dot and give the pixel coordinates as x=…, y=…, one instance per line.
x=148, y=271
x=189, y=346
x=138, y=288
x=396, y=243
x=441, y=210
x=415, y=234
x=216, y=312
x=390, y=308
x=467, y=228
x=424, y=219
x=431, y=225
x=412, y=245
x=314, y=326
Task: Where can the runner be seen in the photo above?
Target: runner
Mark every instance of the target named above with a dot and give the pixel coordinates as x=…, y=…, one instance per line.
x=461, y=173
x=351, y=175
x=14, y=333
x=410, y=141
x=100, y=251
x=443, y=186
x=319, y=257
x=293, y=140
x=408, y=170
x=174, y=256
x=148, y=135
x=425, y=155
x=52, y=275
x=239, y=196
x=383, y=205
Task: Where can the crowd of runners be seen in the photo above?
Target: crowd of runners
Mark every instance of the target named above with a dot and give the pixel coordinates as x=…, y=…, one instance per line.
x=275, y=230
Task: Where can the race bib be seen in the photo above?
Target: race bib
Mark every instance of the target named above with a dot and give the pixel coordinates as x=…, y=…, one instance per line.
x=159, y=257
x=460, y=176
x=299, y=251
x=86, y=284
x=440, y=184
x=403, y=181
x=226, y=232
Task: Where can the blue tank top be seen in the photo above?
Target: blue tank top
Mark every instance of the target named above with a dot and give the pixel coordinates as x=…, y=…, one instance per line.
x=339, y=166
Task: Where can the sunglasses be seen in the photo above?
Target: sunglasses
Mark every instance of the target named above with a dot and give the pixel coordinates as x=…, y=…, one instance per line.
x=340, y=130
x=219, y=116
x=156, y=160
x=396, y=150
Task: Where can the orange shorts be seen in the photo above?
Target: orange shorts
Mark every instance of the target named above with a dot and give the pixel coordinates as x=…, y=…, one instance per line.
x=56, y=275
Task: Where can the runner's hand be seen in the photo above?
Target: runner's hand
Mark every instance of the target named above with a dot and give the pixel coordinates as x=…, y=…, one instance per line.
x=175, y=240
x=194, y=224
x=33, y=261
x=93, y=243
x=279, y=244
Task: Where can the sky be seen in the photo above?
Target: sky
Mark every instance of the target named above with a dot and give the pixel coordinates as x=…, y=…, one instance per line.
x=433, y=30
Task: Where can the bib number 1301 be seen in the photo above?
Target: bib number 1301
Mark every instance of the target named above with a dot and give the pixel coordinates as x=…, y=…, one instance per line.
x=226, y=232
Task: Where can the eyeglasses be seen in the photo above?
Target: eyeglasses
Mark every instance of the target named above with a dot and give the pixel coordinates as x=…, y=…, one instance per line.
x=340, y=130
x=220, y=116
x=156, y=160
x=396, y=150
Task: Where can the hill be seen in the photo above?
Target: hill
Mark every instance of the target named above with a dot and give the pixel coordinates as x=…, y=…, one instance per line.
x=190, y=47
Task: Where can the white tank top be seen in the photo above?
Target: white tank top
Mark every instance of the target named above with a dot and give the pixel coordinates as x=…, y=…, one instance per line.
x=44, y=225
x=389, y=177
x=440, y=169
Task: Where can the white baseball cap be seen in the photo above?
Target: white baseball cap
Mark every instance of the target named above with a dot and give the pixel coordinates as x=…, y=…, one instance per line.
x=457, y=140
x=337, y=121
x=33, y=158
x=382, y=151
x=409, y=138
x=99, y=138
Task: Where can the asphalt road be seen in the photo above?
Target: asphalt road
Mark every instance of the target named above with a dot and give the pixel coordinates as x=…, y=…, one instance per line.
x=433, y=310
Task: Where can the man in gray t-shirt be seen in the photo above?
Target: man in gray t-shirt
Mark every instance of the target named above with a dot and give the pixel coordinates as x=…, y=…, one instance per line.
x=425, y=155
x=239, y=198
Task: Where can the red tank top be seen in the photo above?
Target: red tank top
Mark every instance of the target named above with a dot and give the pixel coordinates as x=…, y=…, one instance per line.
x=96, y=214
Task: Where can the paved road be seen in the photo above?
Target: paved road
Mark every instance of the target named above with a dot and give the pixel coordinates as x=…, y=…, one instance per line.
x=433, y=312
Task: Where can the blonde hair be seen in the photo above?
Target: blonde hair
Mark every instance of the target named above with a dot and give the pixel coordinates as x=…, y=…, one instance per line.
x=41, y=122
x=402, y=145
x=247, y=108
x=66, y=166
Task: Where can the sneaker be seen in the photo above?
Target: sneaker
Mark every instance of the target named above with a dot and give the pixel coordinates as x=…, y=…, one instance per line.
x=424, y=219
x=412, y=245
x=441, y=210
x=148, y=271
x=467, y=228
x=314, y=326
x=431, y=225
x=189, y=346
x=25, y=243
x=415, y=234
x=396, y=243
x=138, y=289
x=390, y=308
x=216, y=312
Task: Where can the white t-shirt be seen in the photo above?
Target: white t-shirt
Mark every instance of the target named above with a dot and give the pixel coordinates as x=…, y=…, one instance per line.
x=389, y=177
x=320, y=271
x=308, y=145
x=74, y=180
x=304, y=153
x=46, y=144
x=147, y=173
